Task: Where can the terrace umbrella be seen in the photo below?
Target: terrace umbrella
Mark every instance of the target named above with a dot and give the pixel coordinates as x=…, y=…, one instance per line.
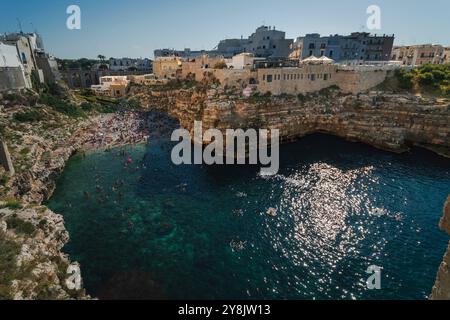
x=325, y=60
x=311, y=60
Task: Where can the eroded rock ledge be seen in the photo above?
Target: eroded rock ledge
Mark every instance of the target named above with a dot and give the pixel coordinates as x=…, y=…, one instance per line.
x=441, y=290
x=33, y=266
x=391, y=122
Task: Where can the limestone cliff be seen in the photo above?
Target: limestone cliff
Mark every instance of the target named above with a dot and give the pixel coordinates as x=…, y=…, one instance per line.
x=441, y=290
x=387, y=121
x=32, y=265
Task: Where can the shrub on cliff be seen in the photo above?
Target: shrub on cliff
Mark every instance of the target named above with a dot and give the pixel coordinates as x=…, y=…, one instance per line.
x=429, y=78
x=62, y=106
x=426, y=79
x=220, y=65
x=9, y=251
x=405, y=79
x=27, y=98
x=20, y=226
x=28, y=116
x=11, y=204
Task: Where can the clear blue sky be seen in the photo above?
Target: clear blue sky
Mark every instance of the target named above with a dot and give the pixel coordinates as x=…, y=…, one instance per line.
x=134, y=28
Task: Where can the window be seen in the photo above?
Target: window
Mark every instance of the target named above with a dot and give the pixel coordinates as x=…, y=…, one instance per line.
x=269, y=78
x=325, y=77
x=313, y=77
x=284, y=77
x=331, y=53
x=310, y=53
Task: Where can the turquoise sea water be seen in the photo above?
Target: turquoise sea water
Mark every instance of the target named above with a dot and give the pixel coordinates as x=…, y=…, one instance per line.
x=154, y=230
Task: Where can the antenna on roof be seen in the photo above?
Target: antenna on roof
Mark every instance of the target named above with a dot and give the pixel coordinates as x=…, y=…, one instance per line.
x=20, y=25
x=33, y=27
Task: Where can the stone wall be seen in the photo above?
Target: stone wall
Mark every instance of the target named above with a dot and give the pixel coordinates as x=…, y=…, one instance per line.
x=302, y=80
x=5, y=158
x=12, y=78
x=355, y=81
x=307, y=78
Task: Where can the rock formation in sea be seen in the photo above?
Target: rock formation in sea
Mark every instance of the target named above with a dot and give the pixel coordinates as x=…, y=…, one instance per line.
x=441, y=289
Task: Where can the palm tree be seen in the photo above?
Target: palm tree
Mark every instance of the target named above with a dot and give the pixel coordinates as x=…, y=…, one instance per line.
x=101, y=58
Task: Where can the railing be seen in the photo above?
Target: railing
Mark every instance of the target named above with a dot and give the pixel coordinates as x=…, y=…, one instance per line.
x=372, y=66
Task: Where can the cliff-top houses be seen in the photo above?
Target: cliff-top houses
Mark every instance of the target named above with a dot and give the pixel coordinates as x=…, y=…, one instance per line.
x=417, y=55
x=266, y=61
x=35, y=64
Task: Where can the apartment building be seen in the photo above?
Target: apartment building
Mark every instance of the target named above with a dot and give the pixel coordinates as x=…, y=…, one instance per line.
x=418, y=55
x=356, y=48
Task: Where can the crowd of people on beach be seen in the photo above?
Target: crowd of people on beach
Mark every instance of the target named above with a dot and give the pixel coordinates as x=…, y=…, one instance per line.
x=113, y=130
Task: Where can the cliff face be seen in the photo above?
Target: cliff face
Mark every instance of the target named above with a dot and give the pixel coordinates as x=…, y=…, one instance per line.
x=386, y=121
x=33, y=266
x=441, y=290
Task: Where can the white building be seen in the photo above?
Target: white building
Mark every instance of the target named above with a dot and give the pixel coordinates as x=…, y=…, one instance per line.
x=127, y=64
x=12, y=72
x=242, y=61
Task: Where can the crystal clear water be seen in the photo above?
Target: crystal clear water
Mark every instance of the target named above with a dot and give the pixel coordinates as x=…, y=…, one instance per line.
x=153, y=230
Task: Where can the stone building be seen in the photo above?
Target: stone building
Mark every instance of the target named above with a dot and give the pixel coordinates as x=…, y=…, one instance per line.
x=49, y=66
x=418, y=55
x=304, y=79
x=27, y=45
x=318, y=74
x=356, y=48
x=147, y=79
x=167, y=67
x=113, y=86
x=196, y=66
x=128, y=64
x=447, y=55
x=265, y=42
x=184, y=54
x=243, y=61
x=12, y=72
